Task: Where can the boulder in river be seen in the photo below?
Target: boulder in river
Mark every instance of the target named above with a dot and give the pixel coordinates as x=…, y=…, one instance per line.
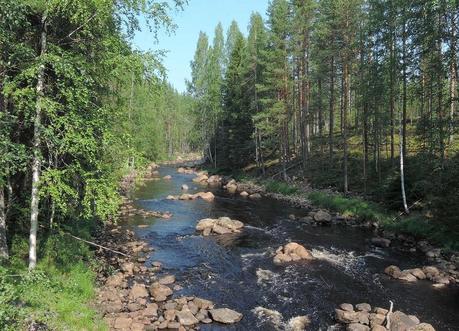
x=167, y=177
x=185, y=187
x=322, y=216
x=201, y=179
x=255, y=196
x=231, y=186
x=221, y=225
x=291, y=252
x=225, y=315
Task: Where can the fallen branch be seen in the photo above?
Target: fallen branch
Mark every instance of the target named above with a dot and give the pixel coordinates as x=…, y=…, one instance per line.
x=388, y=314
x=97, y=245
x=403, y=212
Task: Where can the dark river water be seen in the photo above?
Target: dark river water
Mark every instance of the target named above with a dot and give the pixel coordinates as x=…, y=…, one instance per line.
x=236, y=271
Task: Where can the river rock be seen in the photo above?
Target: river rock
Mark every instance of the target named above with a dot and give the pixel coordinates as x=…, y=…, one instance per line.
x=298, y=323
x=431, y=271
x=244, y=194
x=160, y=292
x=346, y=317
x=225, y=315
x=186, y=318
x=255, y=196
x=393, y=271
x=128, y=268
x=138, y=291
x=377, y=319
x=207, y=196
x=185, y=187
x=346, y=307
x=203, y=303
x=291, y=252
x=322, y=217
x=399, y=321
x=221, y=225
x=115, y=280
x=381, y=242
x=201, y=179
x=378, y=328
x=363, y=307
x=231, y=186
x=151, y=310
x=422, y=327
x=357, y=327
x=214, y=179
x=122, y=323
x=418, y=273
x=167, y=280
x=407, y=276
x=167, y=177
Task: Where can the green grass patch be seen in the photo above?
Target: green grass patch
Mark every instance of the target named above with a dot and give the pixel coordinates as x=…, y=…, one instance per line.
x=57, y=293
x=280, y=187
x=351, y=207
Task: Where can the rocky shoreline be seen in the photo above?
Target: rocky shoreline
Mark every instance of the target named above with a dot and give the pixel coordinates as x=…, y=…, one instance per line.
x=132, y=296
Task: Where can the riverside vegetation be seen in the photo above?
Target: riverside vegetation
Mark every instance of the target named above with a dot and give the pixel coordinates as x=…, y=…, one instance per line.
x=348, y=105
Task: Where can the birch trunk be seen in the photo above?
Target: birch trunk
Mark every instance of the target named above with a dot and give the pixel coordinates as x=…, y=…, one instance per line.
x=3, y=241
x=36, y=159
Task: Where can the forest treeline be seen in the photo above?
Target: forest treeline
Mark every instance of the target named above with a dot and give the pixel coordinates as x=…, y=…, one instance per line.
x=340, y=89
x=79, y=108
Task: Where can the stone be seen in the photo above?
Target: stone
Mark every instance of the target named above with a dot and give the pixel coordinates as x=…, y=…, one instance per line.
x=200, y=179
x=173, y=325
x=185, y=196
x=225, y=315
x=393, y=271
x=122, y=323
x=186, y=318
x=193, y=307
x=422, y=327
x=133, y=306
x=377, y=319
x=167, y=177
x=400, y=321
x=255, y=196
x=322, y=217
x=281, y=258
x=381, y=242
x=112, y=307
x=363, y=307
x=433, y=253
x=151, y=310
x=185, y=187
x=229, y=223
x=418, y=273
x=441, y=280
x=407, y=276
x=167, y=280
x=382, y=311
x=346, y=307
x=378, y=328
x=298, y=323
x=115, y=280
x=138, y=291
x=203, y=303
x=128, y=268
x=430, y=271
x=169, y=314
x=357, y=327
x=244, y=194
x=205, y=223
x=414, y=319
x=344, y=316
x=160, y=292
x=207, y=196
x=218, y=229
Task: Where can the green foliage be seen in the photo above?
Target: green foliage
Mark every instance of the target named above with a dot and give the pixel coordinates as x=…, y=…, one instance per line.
x=57, y=293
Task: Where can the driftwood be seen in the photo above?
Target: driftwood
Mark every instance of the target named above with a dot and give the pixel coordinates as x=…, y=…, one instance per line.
x=388, y=315
x=97, y=245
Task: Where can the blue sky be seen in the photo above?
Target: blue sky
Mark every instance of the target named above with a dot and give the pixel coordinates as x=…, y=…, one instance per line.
x=198, y=15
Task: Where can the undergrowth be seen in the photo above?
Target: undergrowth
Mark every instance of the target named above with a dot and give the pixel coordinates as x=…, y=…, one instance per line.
x=58, y=293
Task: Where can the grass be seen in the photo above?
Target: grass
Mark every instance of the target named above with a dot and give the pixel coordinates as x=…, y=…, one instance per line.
x=280, y=187
x=57, y=293
x=416, y=224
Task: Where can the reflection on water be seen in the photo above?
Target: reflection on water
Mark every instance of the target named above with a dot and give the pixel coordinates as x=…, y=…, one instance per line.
x=237, y=270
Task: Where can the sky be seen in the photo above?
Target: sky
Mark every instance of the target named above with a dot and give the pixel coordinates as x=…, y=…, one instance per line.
x=198, y=15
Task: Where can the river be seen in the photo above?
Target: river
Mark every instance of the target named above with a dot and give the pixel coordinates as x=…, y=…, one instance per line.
x=236, y=271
